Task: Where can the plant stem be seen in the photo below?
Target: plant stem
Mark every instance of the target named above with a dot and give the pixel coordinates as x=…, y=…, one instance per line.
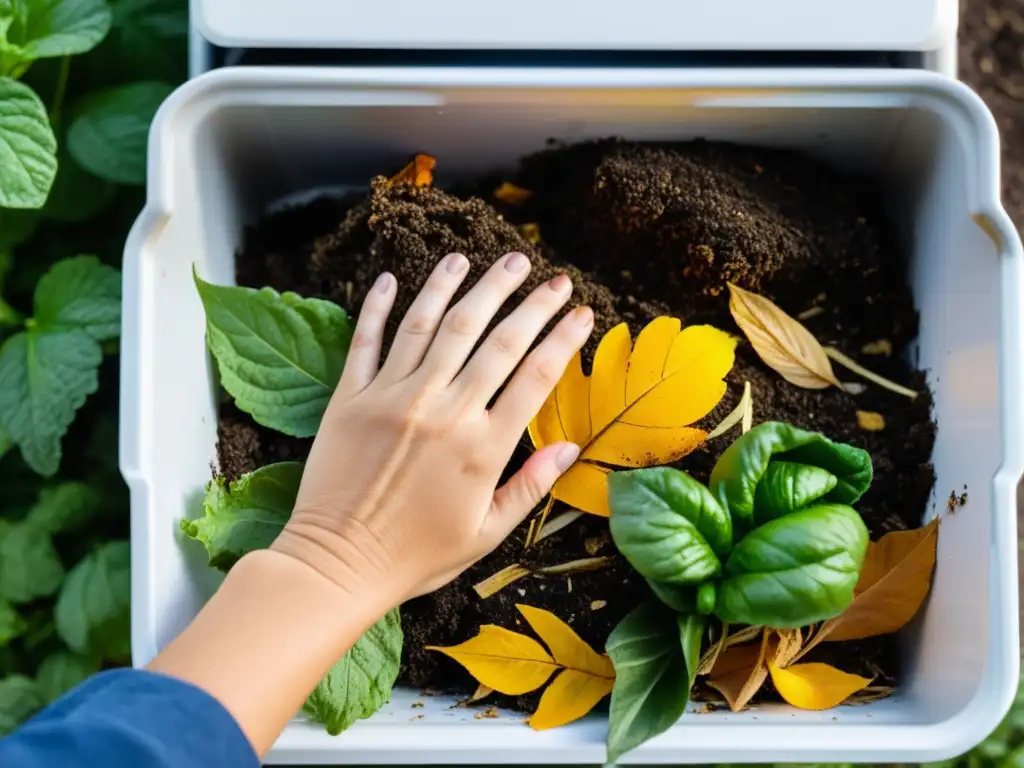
x=60, y=89
x=892, y=386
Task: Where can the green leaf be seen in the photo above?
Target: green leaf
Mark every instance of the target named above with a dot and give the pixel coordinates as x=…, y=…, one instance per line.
x=80, y=293
x=361, y=683
x=62, y=671
x=651, y=679
x=16, y=227
x=76, y=195
x=795, y=570
x=150, y=38
x=92, y=612
x=109, y=134
x=12, y=624
x=667, y=525
x=47, y=28
x=280, y=356
x=29, y=566
x=64, y=507
x=28, y=148
x=787, y=487
x=20, y=698
x=246, y=515
x=45, y=377
x=691, y=633
x=742, y=466
x=681, y=598
x=48, y=371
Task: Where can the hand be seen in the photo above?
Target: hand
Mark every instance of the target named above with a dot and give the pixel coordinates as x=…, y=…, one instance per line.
x=399, y=492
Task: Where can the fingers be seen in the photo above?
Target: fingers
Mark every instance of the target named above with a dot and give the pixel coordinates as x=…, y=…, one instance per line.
x=527, y=487
x=510, y=340
x=467, y=320
x=420, y=323
x=364, y=351
x=539, y=373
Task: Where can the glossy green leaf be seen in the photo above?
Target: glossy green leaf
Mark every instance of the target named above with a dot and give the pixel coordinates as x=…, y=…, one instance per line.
x=65, y=507
x=691, y=634
x=29, y=566
x=795, y=570
x=246, y=515
x=742, y=466
x=28, y=148
x=787, y=487
x=109, y=134
x=149, y=38
x=679, y=597
x=62, y=671
x=361, y=683
x=20, y=698
x=12, y=624
x=667, y=525
x=43, y=29
x=280, y=356
x=92, y=613
x=651, y=678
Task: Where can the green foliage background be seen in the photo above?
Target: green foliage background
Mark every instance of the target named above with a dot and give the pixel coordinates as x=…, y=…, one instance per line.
x=80, y=81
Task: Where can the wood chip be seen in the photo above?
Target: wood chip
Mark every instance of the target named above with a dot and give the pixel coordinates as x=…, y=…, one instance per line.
x=880, y=347
x=494, y=584
x=568, y=585
x=870, y=421
x=807, y=314
x=417, y=704
x=488, y=714
x=594, y=543
x=597, y=605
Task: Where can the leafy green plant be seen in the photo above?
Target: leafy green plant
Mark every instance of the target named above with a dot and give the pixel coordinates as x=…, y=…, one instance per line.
x=772, y=542
x=80, y=81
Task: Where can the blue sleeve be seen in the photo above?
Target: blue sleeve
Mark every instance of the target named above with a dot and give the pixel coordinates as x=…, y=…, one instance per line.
x=131, y=718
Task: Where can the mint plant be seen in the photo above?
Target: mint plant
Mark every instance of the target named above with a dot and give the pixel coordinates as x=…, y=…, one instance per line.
x=80, y=81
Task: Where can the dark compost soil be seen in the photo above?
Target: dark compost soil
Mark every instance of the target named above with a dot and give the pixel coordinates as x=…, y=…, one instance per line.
x=644, y=230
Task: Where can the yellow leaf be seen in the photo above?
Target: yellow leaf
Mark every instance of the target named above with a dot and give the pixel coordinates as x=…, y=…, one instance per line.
x=511, y=194
x=815, y=686
x=506, y=661
x=894, y=581
x=636, y=407
x=781, y=341
x=418, y=173
x=565, y=645
x=570, y=696
x=740, y=670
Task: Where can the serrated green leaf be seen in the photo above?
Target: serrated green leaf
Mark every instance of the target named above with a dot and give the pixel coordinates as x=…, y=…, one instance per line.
x=62, y=671
x=92, y=612
x=280, y=356
x=29, y=566
x=361, y=683
x=45, y=377
x=76, y=195
x=80, y=293
x=20, y=698
x=109, y=134
x=64, y=507
x=46, y=28
x=28, y=148
x=12, y=624
x=246, y=515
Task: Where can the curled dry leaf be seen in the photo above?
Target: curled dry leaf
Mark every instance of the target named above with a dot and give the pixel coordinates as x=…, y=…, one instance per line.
x=741, y=670
x=815, y=686
x=514, y=664
x=636, y=408
x=870, y=421
x=736, y=415
x=418, y=173
x=511, y=194
x=726, y=640
x=781, y=341
x=894, y=581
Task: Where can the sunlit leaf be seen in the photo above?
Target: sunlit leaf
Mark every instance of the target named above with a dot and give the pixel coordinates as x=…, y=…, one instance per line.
x=418, y=173
x=815, y=686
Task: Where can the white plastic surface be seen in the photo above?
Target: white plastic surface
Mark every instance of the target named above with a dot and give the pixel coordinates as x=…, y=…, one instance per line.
x=878, y=25
x=230, y=143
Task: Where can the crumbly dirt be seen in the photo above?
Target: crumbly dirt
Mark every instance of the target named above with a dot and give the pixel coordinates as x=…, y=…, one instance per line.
x=643, y=230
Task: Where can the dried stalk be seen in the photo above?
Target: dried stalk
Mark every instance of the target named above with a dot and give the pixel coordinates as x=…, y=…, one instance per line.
x=529, y=533
x=541, y=519
x=575, y=566
x=555, y=524
x=807, y=314
x=748, y=410
x=881, y=381
x=494, y=584
x=735, y=416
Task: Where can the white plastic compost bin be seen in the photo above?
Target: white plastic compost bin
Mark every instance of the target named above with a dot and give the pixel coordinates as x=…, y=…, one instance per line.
x=231, y=143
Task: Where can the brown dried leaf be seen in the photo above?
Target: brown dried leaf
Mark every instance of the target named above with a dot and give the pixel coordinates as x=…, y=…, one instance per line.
x=511, y=194
x=781, y=341
x=870, y=421
x=726, y=640
x=418, y=173
x=741, y=670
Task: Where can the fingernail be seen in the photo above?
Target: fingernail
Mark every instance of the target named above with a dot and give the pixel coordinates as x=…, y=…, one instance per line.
x=383, y=284
x=567, y=456
x=456, y=264
x=584, y=317
x=560, y=284
x=516, y=262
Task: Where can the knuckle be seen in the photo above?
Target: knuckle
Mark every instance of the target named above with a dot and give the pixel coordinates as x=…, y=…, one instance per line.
x=418, y=325
x=362, y=339
x=544, y=372
x=505, y=343
x=460, y=322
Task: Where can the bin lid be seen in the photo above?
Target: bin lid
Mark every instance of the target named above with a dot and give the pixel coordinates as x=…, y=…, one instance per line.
x=697, y=25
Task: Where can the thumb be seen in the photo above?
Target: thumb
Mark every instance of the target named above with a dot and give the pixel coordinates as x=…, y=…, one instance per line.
x=527, y=487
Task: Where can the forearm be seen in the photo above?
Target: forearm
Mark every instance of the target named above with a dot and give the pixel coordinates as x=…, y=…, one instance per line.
x=265, y=640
